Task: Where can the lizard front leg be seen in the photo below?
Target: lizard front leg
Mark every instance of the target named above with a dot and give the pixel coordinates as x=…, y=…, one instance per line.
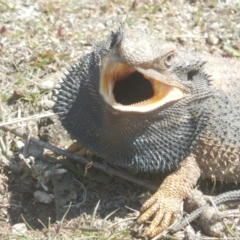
x=165, y=204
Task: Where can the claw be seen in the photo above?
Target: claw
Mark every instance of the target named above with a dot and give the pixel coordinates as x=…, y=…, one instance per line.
x=152, y=232
x=163, y=212
x=165, y=205
x=160, y=222
x=148, y=213
x=149, y=203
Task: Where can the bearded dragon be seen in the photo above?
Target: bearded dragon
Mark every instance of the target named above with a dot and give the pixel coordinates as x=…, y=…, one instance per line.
x=144, y=105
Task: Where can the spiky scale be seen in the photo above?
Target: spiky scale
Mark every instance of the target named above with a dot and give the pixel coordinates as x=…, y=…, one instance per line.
x=189, y=135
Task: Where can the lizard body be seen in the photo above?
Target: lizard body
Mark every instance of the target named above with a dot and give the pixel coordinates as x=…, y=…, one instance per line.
x=144, y=105
x=218, y=152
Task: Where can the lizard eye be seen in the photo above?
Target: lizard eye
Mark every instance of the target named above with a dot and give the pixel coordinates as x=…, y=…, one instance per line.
x=169, y=59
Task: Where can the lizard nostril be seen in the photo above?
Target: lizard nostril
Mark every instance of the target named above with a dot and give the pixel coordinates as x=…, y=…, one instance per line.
x=191, y=74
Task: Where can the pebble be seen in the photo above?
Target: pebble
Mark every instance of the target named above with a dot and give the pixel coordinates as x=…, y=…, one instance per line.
x=47, y=85
x=19, y=228
x=43, y=197
x=212, y=39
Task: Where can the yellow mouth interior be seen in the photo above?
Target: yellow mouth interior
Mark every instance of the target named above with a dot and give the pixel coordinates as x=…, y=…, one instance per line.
x=126, y=89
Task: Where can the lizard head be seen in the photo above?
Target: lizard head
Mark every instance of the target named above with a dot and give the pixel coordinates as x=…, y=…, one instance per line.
x=135, y=102
x=140, y=74
x=133, y=74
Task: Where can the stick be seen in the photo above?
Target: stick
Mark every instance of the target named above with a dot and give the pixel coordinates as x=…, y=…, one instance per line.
x=37, y=116
x=77, y=158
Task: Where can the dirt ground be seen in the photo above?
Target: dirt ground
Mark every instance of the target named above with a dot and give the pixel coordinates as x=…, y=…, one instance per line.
x=38, y=41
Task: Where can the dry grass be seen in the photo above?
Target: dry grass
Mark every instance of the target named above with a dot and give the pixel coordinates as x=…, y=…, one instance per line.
x=39, y=40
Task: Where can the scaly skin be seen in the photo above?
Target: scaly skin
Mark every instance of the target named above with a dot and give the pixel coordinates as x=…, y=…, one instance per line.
x=193, y=131
x=217, y=154
x=165, y=203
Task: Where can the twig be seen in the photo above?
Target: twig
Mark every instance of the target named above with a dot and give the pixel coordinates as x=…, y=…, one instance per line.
x=178, y=225
x=82, y=160
x=37, y=116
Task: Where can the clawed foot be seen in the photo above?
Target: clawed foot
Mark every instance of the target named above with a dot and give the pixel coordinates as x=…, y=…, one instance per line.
x=165, y=205
x=163, y=208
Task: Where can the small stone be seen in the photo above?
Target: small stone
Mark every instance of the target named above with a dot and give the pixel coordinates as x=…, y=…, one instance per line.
x=19, y=144
x=19, y=228
x=212, y=39
x=43, y=197
x=19, y=93
x=46, y=104
x=236, y=45
x=47, y=85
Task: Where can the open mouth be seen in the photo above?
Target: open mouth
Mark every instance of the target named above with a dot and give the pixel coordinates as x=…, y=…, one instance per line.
x=126, y=89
